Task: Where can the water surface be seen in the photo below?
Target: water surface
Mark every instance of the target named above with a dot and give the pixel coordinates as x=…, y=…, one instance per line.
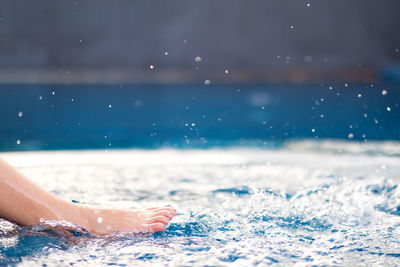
x=311, y=203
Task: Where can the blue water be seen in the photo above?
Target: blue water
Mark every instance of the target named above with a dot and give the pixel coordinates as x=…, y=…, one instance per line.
x=37, y=117
x=312, y=203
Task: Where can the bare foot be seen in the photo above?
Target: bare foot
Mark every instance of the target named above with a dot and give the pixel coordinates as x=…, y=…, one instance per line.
x=106, y=221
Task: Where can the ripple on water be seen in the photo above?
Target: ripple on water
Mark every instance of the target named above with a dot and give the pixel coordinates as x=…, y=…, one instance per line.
x=293, y=205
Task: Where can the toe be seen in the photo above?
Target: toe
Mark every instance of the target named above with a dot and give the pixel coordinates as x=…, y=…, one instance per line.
x=157, y=227
x=165, y=213
x=160, y=219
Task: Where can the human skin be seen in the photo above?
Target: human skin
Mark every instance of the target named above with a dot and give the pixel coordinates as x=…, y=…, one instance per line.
x=25, y=203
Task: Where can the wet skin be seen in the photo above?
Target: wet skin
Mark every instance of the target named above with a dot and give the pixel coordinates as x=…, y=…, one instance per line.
x=25, y=203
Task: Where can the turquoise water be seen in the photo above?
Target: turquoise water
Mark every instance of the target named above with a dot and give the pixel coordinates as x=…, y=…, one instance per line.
x=48, y=117
x=309, y=203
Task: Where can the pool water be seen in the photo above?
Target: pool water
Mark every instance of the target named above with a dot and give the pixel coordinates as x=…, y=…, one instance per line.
x=308, y=203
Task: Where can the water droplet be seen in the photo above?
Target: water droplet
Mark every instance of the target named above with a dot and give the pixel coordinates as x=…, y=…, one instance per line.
x=99, y=220
x=359, y=95
x=350, y=136
x=40, y=97
x=166, y=53
x=384, y=92
x=198, y=59
x=138, y=104
x=110, y=106
x=308, y=5
x=18, y=142
x=346, y=85
x=291, y=26
x=330, y=88
x=193, y=124
x=226, y=71
x=20, y=114
x=365, y=115
x=53, y=93
x=207, y=82
x=151, y=67
x=313, y=130
x=388, y=109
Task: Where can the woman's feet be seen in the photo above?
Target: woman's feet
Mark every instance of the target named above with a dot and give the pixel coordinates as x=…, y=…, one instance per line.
x=107, y=221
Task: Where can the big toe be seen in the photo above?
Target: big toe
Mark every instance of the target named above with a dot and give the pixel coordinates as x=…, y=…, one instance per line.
x=157, y=227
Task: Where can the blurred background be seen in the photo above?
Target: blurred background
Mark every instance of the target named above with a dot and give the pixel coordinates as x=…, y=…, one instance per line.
x=116, y=74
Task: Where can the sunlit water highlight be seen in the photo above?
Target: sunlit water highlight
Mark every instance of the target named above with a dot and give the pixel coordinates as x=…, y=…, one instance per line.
x=307, y=203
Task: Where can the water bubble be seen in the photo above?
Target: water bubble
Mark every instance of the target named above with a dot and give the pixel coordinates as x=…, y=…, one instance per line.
x=350, y=136
x=110, y=106
x=226, y=71
x=72, y=100
x=291, y=26
x=18, y=142
x=313, y=130
x=40, y=97
x=193, y=124
x=20, y=114
x=198, y=59
x=365, y=115
x=384, y=92
x=376, y=121
x=388, y=109
x=330, y=88
x=99, y=220
x=207, y=82
x=166, y=53
x=53, y=93
x=359, y=95
x=308, y=5
x=346, y=85
x=322, y=115
x=151, y=67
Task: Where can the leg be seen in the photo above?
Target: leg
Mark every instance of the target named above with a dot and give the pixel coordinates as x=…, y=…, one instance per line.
x=24, y=203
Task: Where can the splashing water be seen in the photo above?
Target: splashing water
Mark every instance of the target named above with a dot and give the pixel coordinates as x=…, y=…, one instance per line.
x=312, y=203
